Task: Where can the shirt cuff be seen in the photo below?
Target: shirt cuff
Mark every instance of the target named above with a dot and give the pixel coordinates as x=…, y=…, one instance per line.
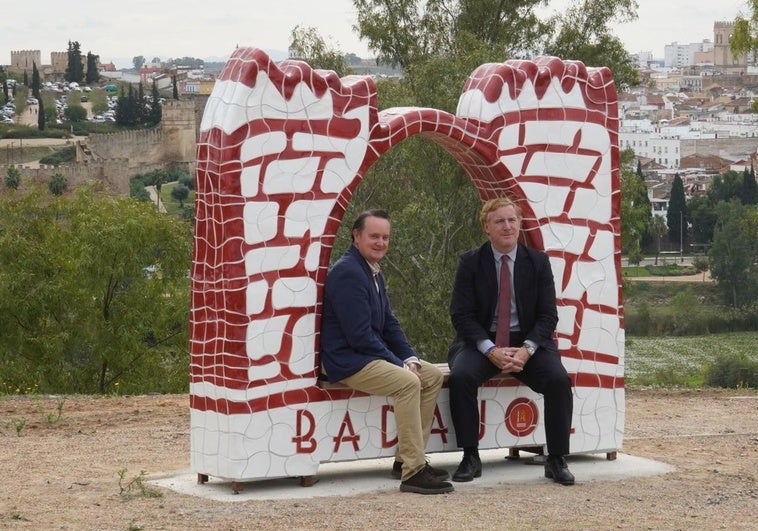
x=412, y=360
x=484, y=346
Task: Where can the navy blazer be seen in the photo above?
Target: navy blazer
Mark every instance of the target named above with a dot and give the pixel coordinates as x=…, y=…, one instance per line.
x=474, y=298
x=357, y=323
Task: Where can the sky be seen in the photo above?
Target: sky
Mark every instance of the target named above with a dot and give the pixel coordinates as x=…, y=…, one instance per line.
x=208, y=30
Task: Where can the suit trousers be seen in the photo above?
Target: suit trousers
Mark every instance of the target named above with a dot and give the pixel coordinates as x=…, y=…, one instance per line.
x=543, y=373
x=414, y=400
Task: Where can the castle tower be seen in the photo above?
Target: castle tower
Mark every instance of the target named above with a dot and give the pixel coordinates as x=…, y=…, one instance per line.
x=23, y=60
x=722, y=56
x=179, y=127
x=59, y=62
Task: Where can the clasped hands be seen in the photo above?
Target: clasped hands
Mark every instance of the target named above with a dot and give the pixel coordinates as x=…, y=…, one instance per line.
x=509, y=359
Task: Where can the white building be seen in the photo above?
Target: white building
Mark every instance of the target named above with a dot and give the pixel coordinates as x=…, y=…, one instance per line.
x=681, y=55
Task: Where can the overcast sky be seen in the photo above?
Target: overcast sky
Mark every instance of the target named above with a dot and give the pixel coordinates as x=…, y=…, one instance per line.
x=204, y=29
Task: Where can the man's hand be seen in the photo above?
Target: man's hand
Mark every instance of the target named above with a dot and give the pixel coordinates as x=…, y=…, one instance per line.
x=415, y=368
x=509, y=359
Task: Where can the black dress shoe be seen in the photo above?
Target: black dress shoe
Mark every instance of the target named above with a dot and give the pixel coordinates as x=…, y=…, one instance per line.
x=439, y=473
x=557, y=470
x=470, y=468
x=424, y=482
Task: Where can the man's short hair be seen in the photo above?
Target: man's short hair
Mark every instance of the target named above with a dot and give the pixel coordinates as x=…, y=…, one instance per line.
x=493, y=204
x=360, y=221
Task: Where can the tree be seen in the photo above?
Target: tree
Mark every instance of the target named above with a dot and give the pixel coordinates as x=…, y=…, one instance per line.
x=12, y=178
x=142, y=107
x=306, y=42
x=92, y=73
x=41, y=115
x=725, y=187
x=658, y=230
x=677, y=218
x=734, y=254
x=744, y=38
x=58, y=184
x=703, y=218
x=405, y=32
x=643, y=200
x=433, y=205
x=75, y=113
x=74, y=291
x=35, y=81
x=180, y=193
x=138, y=61
x=585, y=33
x=127, y=110
x=190, y=62
x=749, y=189
x=4, y=82
x=175, y=88
x=75, y=68
x=156, y=110
x=635, y=212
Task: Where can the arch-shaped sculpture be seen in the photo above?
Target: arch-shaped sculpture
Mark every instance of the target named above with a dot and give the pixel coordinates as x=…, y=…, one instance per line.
x=281, y=150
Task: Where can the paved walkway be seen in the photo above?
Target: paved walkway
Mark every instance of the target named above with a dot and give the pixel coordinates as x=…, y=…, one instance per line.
x=155, y=199
x=373, y=475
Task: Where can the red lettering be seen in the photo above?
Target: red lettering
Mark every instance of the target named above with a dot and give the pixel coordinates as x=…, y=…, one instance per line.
x=442, y=430
x=482, y=418
x=347, y=425
x=386, y=409
x=305, y=443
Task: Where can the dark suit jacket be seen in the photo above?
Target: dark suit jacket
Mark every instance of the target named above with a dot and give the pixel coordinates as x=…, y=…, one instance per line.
x=357, y=323
x=474, y=297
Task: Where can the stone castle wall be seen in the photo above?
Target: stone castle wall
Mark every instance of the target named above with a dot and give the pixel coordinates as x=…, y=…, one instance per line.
x=719, y=147
x=112, y=159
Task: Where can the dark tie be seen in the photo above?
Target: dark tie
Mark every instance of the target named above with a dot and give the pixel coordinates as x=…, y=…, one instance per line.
x=504, y=305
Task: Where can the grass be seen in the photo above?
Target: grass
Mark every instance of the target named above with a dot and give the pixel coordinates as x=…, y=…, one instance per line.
x=682, y=361
x=19, y=155
x=171, y=204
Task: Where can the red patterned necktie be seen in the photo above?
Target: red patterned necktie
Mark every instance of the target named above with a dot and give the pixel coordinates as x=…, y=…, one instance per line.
x=502, y=335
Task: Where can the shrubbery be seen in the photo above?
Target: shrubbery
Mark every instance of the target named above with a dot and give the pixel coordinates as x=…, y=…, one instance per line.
x=67, y=154
x=732, y=370
x=682, y=310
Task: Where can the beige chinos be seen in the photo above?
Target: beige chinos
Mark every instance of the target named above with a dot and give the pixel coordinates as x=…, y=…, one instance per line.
x=414, y=400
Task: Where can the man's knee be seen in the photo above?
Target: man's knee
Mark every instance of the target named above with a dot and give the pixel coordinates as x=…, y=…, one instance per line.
x=431, y=376
x=460, y=378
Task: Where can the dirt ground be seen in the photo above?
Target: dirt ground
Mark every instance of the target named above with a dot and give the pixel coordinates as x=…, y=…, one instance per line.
x=61, y=457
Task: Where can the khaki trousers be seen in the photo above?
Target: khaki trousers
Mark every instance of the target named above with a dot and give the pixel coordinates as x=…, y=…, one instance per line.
x=413, y=398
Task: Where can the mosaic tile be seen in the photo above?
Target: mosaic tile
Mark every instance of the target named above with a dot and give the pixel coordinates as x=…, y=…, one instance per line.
x=281, y=150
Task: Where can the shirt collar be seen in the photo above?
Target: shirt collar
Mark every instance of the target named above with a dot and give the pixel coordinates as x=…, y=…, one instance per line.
x=499, y=255
x=375, y=269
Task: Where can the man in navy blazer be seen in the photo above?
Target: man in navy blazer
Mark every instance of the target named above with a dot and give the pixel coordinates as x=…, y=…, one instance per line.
x=364, y=347
x=526, y=347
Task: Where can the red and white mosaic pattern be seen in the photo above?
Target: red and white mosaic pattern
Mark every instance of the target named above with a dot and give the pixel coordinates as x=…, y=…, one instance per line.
x=282, y=147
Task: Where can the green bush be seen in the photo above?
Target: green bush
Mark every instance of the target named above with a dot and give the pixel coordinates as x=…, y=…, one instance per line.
x=13, y=131
x=67, y=154
x=732, y=370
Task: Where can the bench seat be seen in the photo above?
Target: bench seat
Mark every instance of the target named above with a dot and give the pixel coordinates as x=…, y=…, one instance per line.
x=498, y=379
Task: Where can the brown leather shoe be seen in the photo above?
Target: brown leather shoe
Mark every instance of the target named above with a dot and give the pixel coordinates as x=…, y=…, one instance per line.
x=557, y=470
x=424, y=482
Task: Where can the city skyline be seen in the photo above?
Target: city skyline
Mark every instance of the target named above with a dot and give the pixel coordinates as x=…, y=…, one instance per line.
x=198, y=33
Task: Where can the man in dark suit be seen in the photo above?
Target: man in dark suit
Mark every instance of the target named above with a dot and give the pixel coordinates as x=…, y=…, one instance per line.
x=504, y=312
x=364, y=347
